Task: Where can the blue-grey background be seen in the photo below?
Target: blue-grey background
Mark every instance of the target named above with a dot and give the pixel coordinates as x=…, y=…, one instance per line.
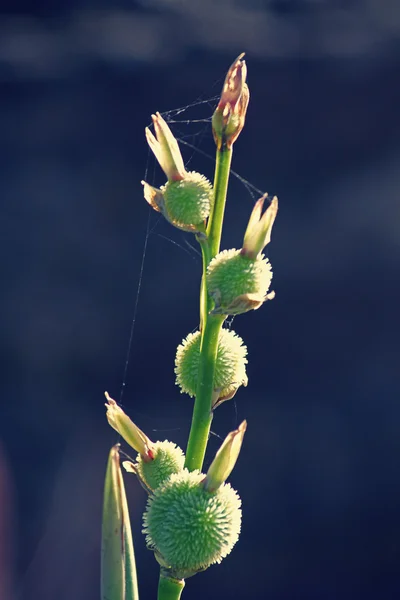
x=319, y=470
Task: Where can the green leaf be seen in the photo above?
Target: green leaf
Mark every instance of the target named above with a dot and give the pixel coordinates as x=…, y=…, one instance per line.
x=118, y=567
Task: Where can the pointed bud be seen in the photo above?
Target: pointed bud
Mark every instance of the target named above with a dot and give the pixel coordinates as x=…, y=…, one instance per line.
x=187, y=197
x=229, y=116
x=225, y=459
x=128, y=430
x=166, y=149
x=258, y=232
x=118, y=570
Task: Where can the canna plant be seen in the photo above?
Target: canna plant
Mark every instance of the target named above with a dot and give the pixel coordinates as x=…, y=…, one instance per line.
x=192, y=519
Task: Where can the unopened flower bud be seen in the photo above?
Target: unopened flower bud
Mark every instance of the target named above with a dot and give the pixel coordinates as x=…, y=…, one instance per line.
x=258, y=232
x=188, y=527
x=225, y=459
x=128, y=430
x=166, y=149
x=230, y=366
x=229, y=116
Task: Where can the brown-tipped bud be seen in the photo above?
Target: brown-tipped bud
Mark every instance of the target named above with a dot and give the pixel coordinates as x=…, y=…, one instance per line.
x=154, y=197
x=166, y=149
x=128, y=430
x=229, y=116
x=225, y=459
x=258, y=232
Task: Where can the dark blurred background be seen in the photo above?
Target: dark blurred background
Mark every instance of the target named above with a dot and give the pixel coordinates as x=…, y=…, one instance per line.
x=319, y=470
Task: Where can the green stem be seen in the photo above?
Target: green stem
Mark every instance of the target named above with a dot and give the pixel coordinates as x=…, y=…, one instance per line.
x=202, y=413
x=221, y=179
x=170, y=588
x=210, y=324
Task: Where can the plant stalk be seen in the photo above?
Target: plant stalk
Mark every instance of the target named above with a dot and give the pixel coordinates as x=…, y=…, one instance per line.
x=170, y=588
x=202, y=413
x=221, y=179
x=210, y=324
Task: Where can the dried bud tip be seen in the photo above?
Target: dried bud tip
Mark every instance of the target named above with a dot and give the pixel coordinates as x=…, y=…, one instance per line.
x=233, y=84
x=153, y=196
x=129, y=466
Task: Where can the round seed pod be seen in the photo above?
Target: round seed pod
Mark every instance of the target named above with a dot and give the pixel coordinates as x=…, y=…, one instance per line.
x=238, y=283
x=168, y=458
x=230, y=367
x=188, y=202
x=189, y=528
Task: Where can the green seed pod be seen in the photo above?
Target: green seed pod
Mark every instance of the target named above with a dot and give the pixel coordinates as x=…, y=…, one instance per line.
x=167, y=459
x=189, y=528
x=188, y=201
x=230, y=369
x=238, y=283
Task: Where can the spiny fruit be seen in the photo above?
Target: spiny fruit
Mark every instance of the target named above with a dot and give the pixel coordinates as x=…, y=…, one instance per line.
x=188, y=527
x=167, y=459
x=230, y=367
x=188, y=202
x=238, y=283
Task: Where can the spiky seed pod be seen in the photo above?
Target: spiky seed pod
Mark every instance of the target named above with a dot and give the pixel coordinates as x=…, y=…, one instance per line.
x=188, y=201
x=189, y=528
x=238, y=283
x=230, y=367
x=168, y=459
